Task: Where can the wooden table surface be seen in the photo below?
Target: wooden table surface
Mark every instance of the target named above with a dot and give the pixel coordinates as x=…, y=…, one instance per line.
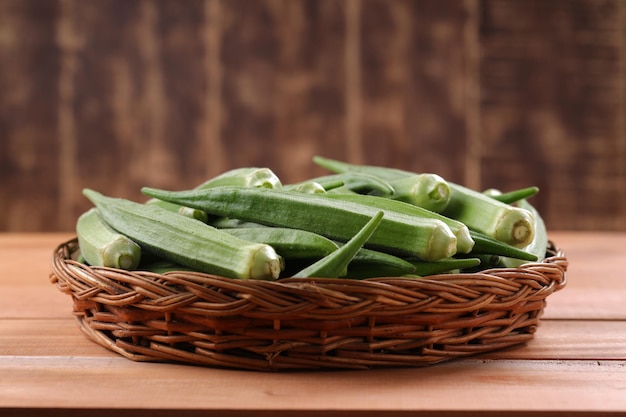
x=575, y=365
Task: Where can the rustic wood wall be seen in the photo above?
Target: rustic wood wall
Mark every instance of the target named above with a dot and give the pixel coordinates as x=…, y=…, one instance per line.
x=118, y=94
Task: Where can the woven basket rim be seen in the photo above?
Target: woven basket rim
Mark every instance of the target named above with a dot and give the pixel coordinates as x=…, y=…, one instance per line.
x=204, y=319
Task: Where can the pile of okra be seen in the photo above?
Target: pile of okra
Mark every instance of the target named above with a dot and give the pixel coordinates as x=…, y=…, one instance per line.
x=358, y=222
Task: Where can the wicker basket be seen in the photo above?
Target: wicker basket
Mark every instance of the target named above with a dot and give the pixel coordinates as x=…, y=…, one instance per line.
x=202, y=319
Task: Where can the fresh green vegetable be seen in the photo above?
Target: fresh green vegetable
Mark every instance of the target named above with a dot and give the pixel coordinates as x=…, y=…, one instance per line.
x=441, y=266
x=336, y=263
x=289, y=243
x=384, y=173
x=428, y=191
x=356, y=182
x=428, y=239
x=464, y=241
x=484, y=214
x=368, y=263
x=221, y=222
x=177, y=208
x=478, y=212
x=487, y=245
x=244, y=177
x=538, y=246
x=100, y=245
x=186, y=241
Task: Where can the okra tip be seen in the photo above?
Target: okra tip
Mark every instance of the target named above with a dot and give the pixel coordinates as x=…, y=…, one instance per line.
x=91, y=194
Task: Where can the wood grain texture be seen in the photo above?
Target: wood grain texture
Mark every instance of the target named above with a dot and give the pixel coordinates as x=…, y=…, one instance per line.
x=553, y=102
x=139, y=96
x=489, y=93
x=282, y=97
x=29, y=144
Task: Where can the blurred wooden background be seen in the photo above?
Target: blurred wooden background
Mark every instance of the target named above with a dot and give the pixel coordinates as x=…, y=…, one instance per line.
x=118, y=94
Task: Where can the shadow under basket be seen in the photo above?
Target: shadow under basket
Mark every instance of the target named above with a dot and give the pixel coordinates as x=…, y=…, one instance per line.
x=295, y=323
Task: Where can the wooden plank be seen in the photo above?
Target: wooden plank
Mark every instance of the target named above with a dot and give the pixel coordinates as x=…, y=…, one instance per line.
x=29, y=145
x=556, y=123
x=25, y=289
x=47, y=337
x=595, y=283
x=539, y=386
x=572, y=340
x=26, y=256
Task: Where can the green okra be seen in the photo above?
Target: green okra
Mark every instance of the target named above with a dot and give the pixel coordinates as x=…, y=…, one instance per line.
x=177, y=208
x=288, y=243
x=426, y=190
x=477, y=211
x=369, y=263
x=336, y=263
x=465, y=243
x=442, y=266
x=187, y=242
x=101, y=245
x=538, y=246
x=356, y=182
x=429, y=239
x=488, y=245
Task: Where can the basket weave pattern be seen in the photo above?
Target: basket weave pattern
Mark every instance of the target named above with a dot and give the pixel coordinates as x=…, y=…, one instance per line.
x=296, y=323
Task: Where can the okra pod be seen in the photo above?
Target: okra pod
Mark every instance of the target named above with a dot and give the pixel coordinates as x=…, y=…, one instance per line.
x=426, y=190
x=464, y=241
x=488, y=245
x=479, y=212
x=336, y=263
x=186, y=241
x=101, y=245
x=357, y=182
x=177, y=208
x=511, y=225
x=428, y=239
x=442, y=266
x=368, y=263
x=289, y=243
x=538, y=246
